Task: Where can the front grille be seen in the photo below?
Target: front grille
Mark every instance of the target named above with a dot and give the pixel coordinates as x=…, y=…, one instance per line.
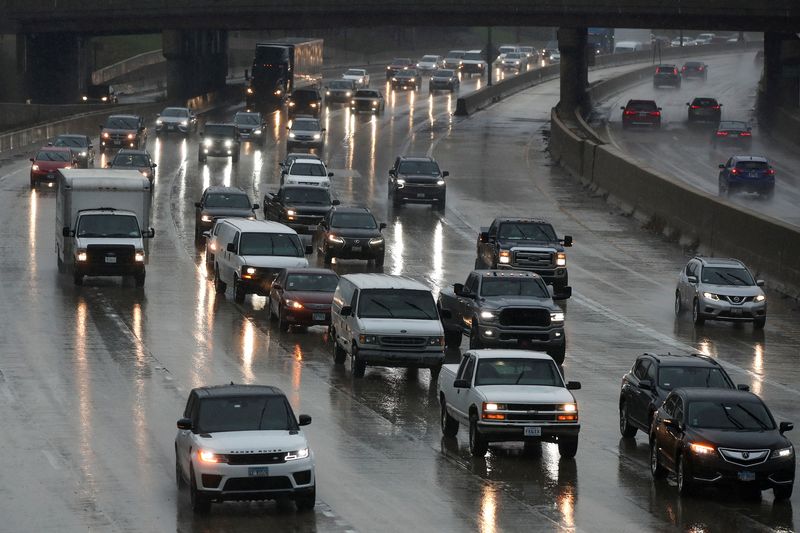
x=739, y=300
x=744, y=457
x=267, y=273
x=522, y=316
x=256, y=458
x=310, y=220
x=421, y=182
x=534, y=413
x=119, y=138
x=302, y=478
x=404, y=341
x=97, y=254
x=325, y=307
x=257, y=483
x=532, y=259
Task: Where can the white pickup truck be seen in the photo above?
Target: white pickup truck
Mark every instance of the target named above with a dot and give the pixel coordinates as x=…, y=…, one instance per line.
x=509, y=395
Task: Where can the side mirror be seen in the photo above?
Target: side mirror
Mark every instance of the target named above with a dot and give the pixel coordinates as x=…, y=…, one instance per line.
x=461, y=384
x=31, y=160
x=445, y=174
x=154, y=165
x=149, y=234
x=646, y=384
x=330, y=174
x=673, y=424
x=687, y=103
x=760, y=282
x=323, y=129
x=743, y=387
x=691, y=279
x=783, y=427
x=207, y=234
x=567, y=240
x=309, y=249
x=565, y=294
x=458, y=288
x=346, y=310
x=231, y=247
x=445, y=314
x=623, y=108
x=65, y=231
x=573, y=385
x=391, y=172
x=303, y=420
x=197, y=204
x=721, y=165
x=50, y=143
x=185, y=423
x=255, y=206
x=382, y=226
x=483, y=237
x=335, y=202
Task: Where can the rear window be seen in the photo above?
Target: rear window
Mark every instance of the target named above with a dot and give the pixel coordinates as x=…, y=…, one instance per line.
x=667, y=70
x=672, y=377
x=733, y=125
x=752, y=165
x=368, y=94
x=704, y=102
x=641, y=105
x=220, y=130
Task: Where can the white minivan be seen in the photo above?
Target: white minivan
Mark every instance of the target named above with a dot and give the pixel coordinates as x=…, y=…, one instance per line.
x=250, y=253
x=385, y=320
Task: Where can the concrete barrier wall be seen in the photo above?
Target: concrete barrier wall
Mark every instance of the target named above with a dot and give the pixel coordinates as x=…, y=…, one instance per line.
x=14, y=115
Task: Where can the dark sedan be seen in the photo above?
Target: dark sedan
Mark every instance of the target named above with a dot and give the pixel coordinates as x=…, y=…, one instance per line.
x=695, y=69
x=135, y=159
x=406, y=79
x=302, y=297
x=704, y=110
x=81, y=146
x=350, y=233
x=251, y=127
x=340, y=91
x=733, y=132
x=221, y=202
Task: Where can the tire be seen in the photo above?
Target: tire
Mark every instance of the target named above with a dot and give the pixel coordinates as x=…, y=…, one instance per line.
x=200, y=502
x=77, y=279
x=685, y=484
x=478, y=263
x=568, y=447
x=34, y=183
x=283, y=324
x=235, y=157
x=678, y=306
x=357, y=365
x=339, y=355
x=327, y=257
x=452, y=338
x=179, y=481
x=139, y=279
x=769, y=195
x=441, y=204
x=306, y=503
x=625, y=428
x=219, y=286
x=239, y=293
x=201, y=158
x=379, y=261
x=209, y=263
x=435, y=371
x=475, y=339
x=656, y=470
x=449, y=424
x=782, y=493
x=759, y=323
x=477, y=443
x=558, y=354
x=697, y=318
x=197, y=234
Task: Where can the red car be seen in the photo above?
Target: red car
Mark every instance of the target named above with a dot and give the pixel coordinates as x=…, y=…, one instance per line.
x=641, y=113
x=302, y=297
x=47, y=161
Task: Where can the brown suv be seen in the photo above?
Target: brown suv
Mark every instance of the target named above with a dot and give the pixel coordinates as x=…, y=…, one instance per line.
x=123, y=131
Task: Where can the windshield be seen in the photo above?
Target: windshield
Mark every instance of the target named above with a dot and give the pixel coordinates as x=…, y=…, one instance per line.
x=429, y=59
x=513, y=55
x=406, y=73
x=518, y=371
x=732, y=125
x=397, y=303
x=354, y=72
x=727, y=276
x=642, y=105
x=513, y=287
x=249, y=413
x=672, y=377
x=507, y=49
x=443, y=74
x=307, y=169
x=752, y=165
x=219, y=130
x=108, y=226
x=247, y=118
x=175, y=112
x=122, y=123
x=704, y=102
x=368, y=94
x=53, y=155
x=131, y=160
x=353, y=221
x=75, y=142
x=526, y=231
x=747, y=415
x=401, y=61
x=281, y=244
x=312, y=282
x=454, y=55
x=228, y=200
x=305, y=96
x=418, y=167
x=473, y=55
x=341, y=84
x=305, y=125
x=306, y=195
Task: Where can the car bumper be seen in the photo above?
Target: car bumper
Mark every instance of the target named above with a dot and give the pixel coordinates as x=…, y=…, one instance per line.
x=307, y=317
x=250, y=136
x=404, y=86
x=399, y=358
x=751, y=185
x=502, y=432
x=722, y=310
x=305, y=142
x=106, y=143
x=173, y=128
x=424, y=195
x=666, y=81
x=45, y=176
x=770, y=474
x=224, y=482
x=493, y=335
x=128, y=269
x=218, y=152
x=441, y=86
x=550, y=275
x=347, y=251
x=364, y=109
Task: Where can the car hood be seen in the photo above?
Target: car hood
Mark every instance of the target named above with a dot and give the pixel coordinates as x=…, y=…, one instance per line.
x=518, y=301
x=309, y=297
x=394, y=326
x=525, y=394
x=253, y=441
x=172, y=120
x=352, y=233
x=52, y=165
x=739, y=439
x=419, y=177
x=732, y=290
x=227, y=212
x=274, y=261
x=85, y=242
x=537, y=245
x=115, y=130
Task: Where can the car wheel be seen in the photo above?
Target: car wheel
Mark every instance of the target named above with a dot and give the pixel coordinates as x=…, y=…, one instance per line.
x=283, y=324
x=568, y=447
x=625, y=427
x=435, y=371
x=235, y=156
x=77, y=278
x=238, y=291
x=201, y=158
x=769, y=194
x=179, y=481
x=782, y=493
x=339, y=355
x=441, y=203
x=684, y=477
x=138, y=279
x=200, y=502
x=678, y=306
x=475, y=339
x=380, y=260
x=219, y=286
x=34, y=183
x=357, y=365
x=396, y=201
x=558, y=353
x=307, y=502
x=697, y=318
x=449, y=424
x=760, y=322
x=209, y=263
x=477, y=443
x=656, y=469
x=452, y=338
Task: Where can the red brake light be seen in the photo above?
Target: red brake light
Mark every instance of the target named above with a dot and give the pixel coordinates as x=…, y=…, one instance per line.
x=695, y=107
x=722, y=134
x=715, y=107
x=674, y=71
x=734, y=170
x=745, y=134
x=771, y=172
x=629, y=112
x=655, y=113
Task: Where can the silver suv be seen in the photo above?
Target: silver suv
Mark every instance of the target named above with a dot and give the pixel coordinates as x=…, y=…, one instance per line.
x=720, y=289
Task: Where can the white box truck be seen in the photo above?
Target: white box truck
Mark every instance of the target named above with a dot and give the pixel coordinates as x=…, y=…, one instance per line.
x=102, y=222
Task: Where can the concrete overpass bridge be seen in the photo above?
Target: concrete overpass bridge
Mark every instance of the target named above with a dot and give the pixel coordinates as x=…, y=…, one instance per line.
x=52, y=61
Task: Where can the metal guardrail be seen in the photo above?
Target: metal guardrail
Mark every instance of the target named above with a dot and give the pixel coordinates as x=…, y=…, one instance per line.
x=113, y=71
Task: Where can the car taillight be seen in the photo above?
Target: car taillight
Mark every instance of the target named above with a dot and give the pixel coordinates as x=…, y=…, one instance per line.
x=684, y=68
x=701, y=69
x=734, y=171
x=771, y=172
x=655, y=113
x=675, y=71
x=695, y=107
x=629, y=112
x=716, y=107
x=745, y=134
x=722, y=134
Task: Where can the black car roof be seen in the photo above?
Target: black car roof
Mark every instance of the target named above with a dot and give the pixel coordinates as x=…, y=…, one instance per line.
x=416, y=158
x=237, y=390
x=488, y=273
x=503, y=220
x=350, y=209
x=221, y=189
x=694, y=359
x=725, y=395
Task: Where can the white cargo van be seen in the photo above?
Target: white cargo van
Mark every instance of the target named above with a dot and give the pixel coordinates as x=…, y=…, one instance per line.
x=385, y=320
x=101, y=223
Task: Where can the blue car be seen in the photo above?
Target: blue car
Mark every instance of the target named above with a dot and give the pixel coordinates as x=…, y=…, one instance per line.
x=747, y=173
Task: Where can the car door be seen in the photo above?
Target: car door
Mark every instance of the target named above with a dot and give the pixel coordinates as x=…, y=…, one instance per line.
x=466, y=302
x=462, y=397
x=350, y=322
x=691, y=286
x=639, y=401
x=227, y=268
x=276, y=292
x=672, y=436
x=487, y=248
x=183, y=440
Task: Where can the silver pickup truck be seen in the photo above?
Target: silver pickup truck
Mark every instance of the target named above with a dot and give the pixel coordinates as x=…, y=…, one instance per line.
x=509, y=395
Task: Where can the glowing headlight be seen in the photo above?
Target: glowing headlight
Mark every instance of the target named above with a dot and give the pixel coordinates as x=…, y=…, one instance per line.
x=139, y=257
x=440, y=182
x=206, y=456
x=569, y=407
x=291, y=212
x=250, y=270
x=505, y=257
x=83, y=154
x=81, y=256
x=352, y=102
x=375, y=103
x=561, y=259
x=144, y=173
x=348, y=93
x=159, y=122
x=710, y=296
x=335, y=238
x=278, y=92
x=327, y=93
x=67, y=167
x=783, y=452
x=249, y=90
x=291, y=135
x=490, y=406
x=299, y=454
x=184, y=123
x=760, y=298
x=228, y=143
x=557, y=316
x=394, y=79
x=487, y=315
x=85, y=98
x=291, y=104
x=105, y=135
x=701, y=449
x=34, y=167
x=105, y=98
x=206, y=218
x=375, y=241
x=293, y=304
x=208, y=142
x=131, y=136
x=313, y=104
x=401, y=181
x=317, y=136
x=257, y=132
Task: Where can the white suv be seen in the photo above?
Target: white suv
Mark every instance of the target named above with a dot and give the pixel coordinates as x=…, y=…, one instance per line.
x=243, y=442
x=379, y=319
x=308, y=172
x=248, y=254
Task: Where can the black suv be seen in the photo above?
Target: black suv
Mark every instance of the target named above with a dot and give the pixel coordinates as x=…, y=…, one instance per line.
x=221, y=140
x=526, y=244
x=307, y=101
x=220, y=202
x=651, y=379
x=417, y=179
x=704, y=109
x=717, y=437
x=123, y=131
x=406, y=79
x=136, y=160
x=251, y=126
x=301, y=207
x=350, y=233
x=667, y=75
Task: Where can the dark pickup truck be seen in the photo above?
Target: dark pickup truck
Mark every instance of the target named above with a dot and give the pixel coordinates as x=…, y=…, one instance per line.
x=501, y=308
x=526, y=244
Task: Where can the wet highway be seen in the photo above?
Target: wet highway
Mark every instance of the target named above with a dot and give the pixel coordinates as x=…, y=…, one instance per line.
x=94, y=377
x=686, y=151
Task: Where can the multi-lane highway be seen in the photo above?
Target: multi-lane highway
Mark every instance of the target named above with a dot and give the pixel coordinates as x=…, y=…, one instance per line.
x=93, y=378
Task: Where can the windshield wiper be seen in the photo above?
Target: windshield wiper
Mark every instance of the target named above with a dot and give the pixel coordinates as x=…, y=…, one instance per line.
x=737, y=278
x=376, y=302
x=520, y=377
x=418, y=308
x=733, y=420
x=760, y=422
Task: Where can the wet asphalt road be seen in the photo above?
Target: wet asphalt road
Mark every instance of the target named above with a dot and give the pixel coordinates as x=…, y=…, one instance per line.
x=686, y=151
x=93, y=378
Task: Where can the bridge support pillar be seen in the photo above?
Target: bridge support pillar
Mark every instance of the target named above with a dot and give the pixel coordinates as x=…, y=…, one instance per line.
x=197, y=61
x=780, y=82
x=574, y=70
x=11, y=82
x=54, y=66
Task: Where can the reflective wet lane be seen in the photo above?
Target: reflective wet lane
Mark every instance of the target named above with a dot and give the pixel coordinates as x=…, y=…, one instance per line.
x=96, y=376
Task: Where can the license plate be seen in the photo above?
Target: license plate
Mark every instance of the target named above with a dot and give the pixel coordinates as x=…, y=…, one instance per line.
x=420, y=195
x=533, y=432
x=746, y=476
x=356, y=248
x=171, y=127
x=258, y=471
x=111, y=259
x=318, y=316
x=736, y=311
x=753, y=174
x=642, y=114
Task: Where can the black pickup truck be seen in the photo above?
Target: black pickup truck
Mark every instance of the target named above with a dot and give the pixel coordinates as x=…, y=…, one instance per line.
x=301, y=207
x=502, y=308
x=526, y=244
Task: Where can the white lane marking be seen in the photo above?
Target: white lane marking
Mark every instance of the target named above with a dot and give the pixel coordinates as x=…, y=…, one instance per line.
x=8, y=394
x=51, y=459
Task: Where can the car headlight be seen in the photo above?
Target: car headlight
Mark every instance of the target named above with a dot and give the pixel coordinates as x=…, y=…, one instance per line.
x=299, y=454
x=701, y=449
x=317, y=136
x=139, y=257
x=505, y=257
x=144, y=173
x=159, y=121
x=293, y=304
x=401, y=181
x=488, y=315
x=278, y=92
x=81, y=256
x=760, y=298
x=85, y=98
x=206, y=218
x=327, y=93
x=257, y=132
x=368, y=339
x=184, y=122
x=569, y=407
x=489, y=406
x=67, y=167
x=490, y=410
x=291, y=212
x=249, y=90
x=352, y=102
x=783, y=453
x=291, y=104
x=313, y=104
x=374, y=103
x=228, y=143
x=375, y=241
x=34, y=167
x=570, y=413
x=557, y=316
x=394, y=79
x=440, y=183
x=131, y=136
x=436, y=341
x=83, y=154
x=249, y=270
x=291, y=135
x=207, y=456
x=105, y=135
x=104, y=98
x=710, y=296
x=208, y=142
x=335, y=238
x=348, y=94
x=561, y=259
